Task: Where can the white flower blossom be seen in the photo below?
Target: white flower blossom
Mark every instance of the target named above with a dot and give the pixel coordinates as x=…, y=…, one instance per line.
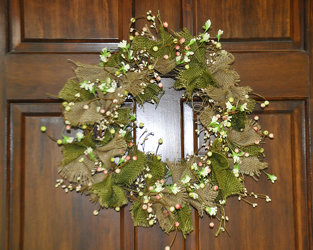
x=236, y=158
x=113, y=87
x=243, y=107
x=122, y=44
x=67, y=139
x=88, y=150
x=236, y=172
x=186, y=179
x=214, y=119
x=194, y=195
x=103, y=58
x=229, y=106
x=204, y=171
x=189, y=53
x=205, y=37
x=79, y=135
x=207, y=25
x=158, y=187
x=175, y=189
x=186, y=59
x=212, y=211
x=87, y=86
x=122, y=132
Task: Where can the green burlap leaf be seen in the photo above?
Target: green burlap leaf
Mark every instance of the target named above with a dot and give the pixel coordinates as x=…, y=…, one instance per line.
x=71, y=152
x=157, y=167
x=134, y=82
x=139, y=215
x=77, y=115
x=115, y=61
x=217, y=146
x=104, y=191
x=252, y=166
x=252, y=150
x=151, y=93
x=88, y=72
x=132, y=169
x=165, y=66
x=164, y=217
x=238, y=121
x=141, y=42
x=123, y=116
x=250, y=105
x=247, y=137
x=110, y=195
x=206, y=115
x=116, y=147
x=80, y=167
x=71, y=88
x=196, y=77
x=183, y=216
x=171, y=200
x=220, y=160
x=227, y=182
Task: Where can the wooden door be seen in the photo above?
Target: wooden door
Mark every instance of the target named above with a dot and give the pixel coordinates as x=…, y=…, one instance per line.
x=272, y=41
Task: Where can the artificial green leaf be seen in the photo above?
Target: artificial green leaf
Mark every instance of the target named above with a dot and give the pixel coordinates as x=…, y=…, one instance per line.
x=152, y=93
x=123, y=116
x=183, y=216
x=157, y=167
x=139, y=215
x=238, y=121
x=196, y=77
x=110, y=195
x=71, y=152
x=220, y=160
x=104, y=191
x=71, y=88
x=227, y=182
x=164, y=217
x=252, y=150
x=132, y=169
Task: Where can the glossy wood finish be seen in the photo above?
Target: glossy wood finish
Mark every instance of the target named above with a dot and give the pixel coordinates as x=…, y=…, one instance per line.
x=272, y=43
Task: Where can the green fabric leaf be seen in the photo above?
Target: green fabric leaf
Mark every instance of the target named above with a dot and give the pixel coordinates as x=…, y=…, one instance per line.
x=217, y=146
x=219, y=160
x=238, y=121
x=251, y=105
x=164, y=217
x=227, y=182
x=78, y=168
x=115, y=61
x=157, y=167
x=77, y=115
x=139, y=215
x=110, y=195
x=71, y=152
x=183, y=216
x=123, y=116
x=71, y=88
x=253, y=150
x=151, y=94
x=196, y=77
x=132, y=169
x=104, y=191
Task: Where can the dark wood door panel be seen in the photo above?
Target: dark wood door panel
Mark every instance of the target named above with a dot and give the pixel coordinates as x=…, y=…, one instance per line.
x=282, y=223
x=274, y=75
x=41, y=216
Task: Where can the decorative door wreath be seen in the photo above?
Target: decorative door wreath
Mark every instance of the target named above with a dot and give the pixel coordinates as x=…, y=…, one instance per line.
x=103, y=161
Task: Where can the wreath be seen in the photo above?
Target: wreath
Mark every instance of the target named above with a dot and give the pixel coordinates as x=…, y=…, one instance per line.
x=101, y=159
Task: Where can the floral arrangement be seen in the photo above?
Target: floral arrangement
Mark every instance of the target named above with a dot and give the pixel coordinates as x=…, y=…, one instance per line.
x=101, y=158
